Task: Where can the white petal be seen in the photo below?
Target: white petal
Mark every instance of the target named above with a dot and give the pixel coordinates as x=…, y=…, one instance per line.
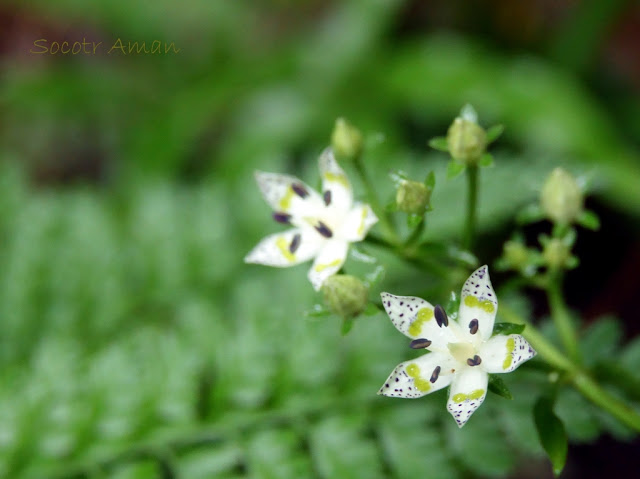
x=414, y=318
x=284, y=249
x=287, y=194
x=357, y=222
x=478, y=301
x=468, y=390
x=420, y=376
x=503, y=354
x=328, y=262
x=334, y=181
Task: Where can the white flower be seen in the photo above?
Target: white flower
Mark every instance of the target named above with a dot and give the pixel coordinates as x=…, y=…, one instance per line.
x=324, y=225
x=462, y=352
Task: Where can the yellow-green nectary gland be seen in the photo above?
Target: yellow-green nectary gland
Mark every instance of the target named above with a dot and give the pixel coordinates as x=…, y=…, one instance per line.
x=460, y=397
x=511, y=345
x=474, y=302
x=322, y=267
x=283, y=246
x=337, y=178
x=413, y=370
x=424, y=315
x=285, y=201
x=362, y=221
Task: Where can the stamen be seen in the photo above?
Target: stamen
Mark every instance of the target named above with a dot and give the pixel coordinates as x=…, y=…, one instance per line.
x=441, y=316
x=473, y=326
x=283, y=218
x=420, y=343
x=327, y=197
x=435, y=374
x=323, y=230
x=299, y=190
x=475, y=361
x=295, y=243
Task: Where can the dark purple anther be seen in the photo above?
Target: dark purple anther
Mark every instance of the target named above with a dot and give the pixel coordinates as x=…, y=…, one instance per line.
x=420, y=343
x=475, y=361
x=299, y=190
x=295, y=243
x=441, y=316
x=327, y=197
x=473, y=326
x=323, y=230
x=283, y=218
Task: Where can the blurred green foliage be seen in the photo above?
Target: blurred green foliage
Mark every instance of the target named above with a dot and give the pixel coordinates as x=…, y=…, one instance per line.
x=133, y=340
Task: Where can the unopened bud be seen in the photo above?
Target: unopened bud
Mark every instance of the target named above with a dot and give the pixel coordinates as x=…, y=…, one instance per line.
x=516, y=254
x=561, y=198
x=467, y=141
x=412, y=197
x=345, y=295
x=556, y=254
x=346, y=140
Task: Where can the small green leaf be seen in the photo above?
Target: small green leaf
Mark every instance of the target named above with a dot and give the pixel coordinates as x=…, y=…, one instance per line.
x=486, y=161
x=530, y=214
x=398, y=176
x=507, y=328
x=494, y=132
x=588, y=219
x=453, y=305
x=430, y=180
x=560, y=230
x=498, y=386
x=391, y=207
x=439, y=143
x=371, y=310
x=551, y=433
x=454, y=169
x=347, y=324
x=413, y=221
x=373, y=278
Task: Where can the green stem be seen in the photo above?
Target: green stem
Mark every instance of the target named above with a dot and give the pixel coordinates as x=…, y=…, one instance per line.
x=472, y=200
x=580, y=380
x=386, y=226
x=410, y=256
x=415, y=234
x=561, y=317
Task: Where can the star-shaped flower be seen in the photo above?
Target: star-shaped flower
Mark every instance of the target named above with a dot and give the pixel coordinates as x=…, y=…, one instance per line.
x=462, y=353
x=324, y=224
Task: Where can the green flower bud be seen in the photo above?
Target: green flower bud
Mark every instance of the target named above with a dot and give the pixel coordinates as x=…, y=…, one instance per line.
x=561, y=198
x=345, y=295
x=346, y=140
x=516, y=254
x=467, y=141
x=412, y=197
x=556, y=254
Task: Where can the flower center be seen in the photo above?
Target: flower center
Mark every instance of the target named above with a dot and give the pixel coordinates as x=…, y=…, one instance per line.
x=462, y=351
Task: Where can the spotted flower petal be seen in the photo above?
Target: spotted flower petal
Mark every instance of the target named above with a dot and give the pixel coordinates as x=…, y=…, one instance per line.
x=479, y=302
x=463, y=350
x=358, y=222
x=503, y=354
x=285, y=249
x=328, y=262
x=336, y=189
x=325, y=223
x=420, y=376
x=414, y=317
x=467, y=393
x=288, y=195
